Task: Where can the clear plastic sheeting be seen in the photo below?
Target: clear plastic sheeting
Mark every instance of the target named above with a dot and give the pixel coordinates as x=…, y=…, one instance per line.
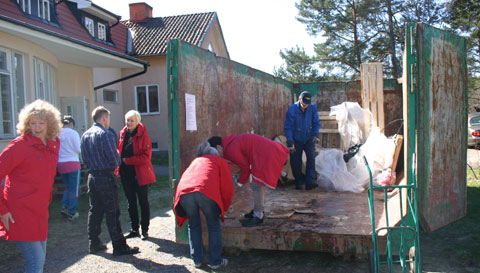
x=354, y=123
x=332, y=172
x=379, y=151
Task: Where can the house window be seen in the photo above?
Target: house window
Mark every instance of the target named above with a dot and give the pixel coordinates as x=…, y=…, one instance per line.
x=110, y=95
x=101, y=32
x=89, y=24
x=210, y=47
x=12, y=93
x=44, y=9
x=25, y=5
x=147, y=99
x=44, y=81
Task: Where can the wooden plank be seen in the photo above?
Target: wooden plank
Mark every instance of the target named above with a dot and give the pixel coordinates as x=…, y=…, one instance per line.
x=379, y=91
x=364, y=85
x=327, y=118
x=372, y=91
x=328, y=131
x=398, y=148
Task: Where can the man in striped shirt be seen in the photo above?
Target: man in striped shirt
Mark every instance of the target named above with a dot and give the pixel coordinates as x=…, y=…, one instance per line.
x=100, y=154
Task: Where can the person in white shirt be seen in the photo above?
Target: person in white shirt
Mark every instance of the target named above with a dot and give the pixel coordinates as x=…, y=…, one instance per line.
x=69, y=167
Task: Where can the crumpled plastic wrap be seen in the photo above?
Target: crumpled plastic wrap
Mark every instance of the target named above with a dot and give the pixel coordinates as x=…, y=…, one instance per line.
x=332, y=173
x=354, y=123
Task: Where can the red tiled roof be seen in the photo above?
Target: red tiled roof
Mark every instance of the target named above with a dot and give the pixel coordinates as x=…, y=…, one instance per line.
x=69, y=26
x=151, y=37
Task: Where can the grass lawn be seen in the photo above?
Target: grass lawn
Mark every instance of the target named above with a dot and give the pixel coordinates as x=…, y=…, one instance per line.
x=459, y=242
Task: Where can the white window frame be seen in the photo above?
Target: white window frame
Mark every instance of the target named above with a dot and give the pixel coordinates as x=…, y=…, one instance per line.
x=90, y=26
x=24, y=7
x=109, y=101
x=43, y=12
x=14, y=104
x=148, y=99
x=102, y=31
x=44, y=74
x=19, y=102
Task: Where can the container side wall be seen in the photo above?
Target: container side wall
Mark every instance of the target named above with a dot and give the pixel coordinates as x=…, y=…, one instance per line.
x=230, y=98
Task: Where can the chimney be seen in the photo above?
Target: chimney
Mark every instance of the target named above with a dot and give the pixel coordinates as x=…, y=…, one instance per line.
x=140, y=12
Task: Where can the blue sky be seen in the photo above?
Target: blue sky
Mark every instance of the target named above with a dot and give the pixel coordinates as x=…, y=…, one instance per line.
x=254, y=30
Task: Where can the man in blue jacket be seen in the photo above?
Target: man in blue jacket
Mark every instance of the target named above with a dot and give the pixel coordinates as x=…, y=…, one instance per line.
x=301, y=127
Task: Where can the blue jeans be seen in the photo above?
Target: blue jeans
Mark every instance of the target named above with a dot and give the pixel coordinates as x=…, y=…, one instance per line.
x=34, y=254
x=296, y=162
x=70, y=195
x=191, y=204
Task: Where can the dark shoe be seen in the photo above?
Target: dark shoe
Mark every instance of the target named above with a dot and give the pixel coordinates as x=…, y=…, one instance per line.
x=221, y=265
x=254, y=221
x=132, y=234
x=299, y=187
x=311, y=186
x=94, y=248
x=65, y=212
x=248, y=215
x=144, y=235
x=74, y=216
x=125, y=250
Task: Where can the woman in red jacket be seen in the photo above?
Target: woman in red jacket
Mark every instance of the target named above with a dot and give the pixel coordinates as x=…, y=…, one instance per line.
x=136, y=171
x=207, y=185
x=257, y=156
x=29, y=164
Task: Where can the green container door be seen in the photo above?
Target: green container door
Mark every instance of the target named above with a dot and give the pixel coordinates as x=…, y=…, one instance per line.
x=435, y=73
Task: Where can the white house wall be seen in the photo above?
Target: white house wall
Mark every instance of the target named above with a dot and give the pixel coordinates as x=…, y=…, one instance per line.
x=157, y=124
x=104, y=75
x=70, y=80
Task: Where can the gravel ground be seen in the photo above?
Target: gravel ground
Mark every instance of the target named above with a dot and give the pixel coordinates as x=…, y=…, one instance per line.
x=162, y=254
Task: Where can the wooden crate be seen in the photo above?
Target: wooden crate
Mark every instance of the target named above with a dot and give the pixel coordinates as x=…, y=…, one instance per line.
x=329, y=136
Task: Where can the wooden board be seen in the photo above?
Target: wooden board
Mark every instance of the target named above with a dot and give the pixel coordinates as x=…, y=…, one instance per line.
x=372, y=91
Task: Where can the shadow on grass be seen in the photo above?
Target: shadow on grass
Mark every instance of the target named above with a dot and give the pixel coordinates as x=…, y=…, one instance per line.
x=457, y=244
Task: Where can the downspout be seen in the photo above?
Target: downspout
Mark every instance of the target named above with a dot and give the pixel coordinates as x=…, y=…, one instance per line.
x=124, y=78
x=118, y=21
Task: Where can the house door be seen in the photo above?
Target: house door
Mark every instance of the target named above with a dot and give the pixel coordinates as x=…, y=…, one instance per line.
x=435, y=92
x=77, y=108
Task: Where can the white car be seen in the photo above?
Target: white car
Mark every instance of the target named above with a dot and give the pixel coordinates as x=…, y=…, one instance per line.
x=474, y=130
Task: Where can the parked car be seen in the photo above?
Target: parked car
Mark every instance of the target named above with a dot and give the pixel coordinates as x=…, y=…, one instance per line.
x=474, y=130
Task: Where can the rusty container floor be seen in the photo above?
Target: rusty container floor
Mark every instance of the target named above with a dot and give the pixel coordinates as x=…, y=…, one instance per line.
x=316, y=220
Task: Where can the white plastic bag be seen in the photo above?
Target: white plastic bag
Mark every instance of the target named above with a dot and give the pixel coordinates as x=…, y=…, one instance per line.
x=332, y=173
x=354, y=123
x=379, y=151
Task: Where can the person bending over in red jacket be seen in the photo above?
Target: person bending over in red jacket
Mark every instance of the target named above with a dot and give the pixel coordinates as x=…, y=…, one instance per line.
x=207, y=185
x=257, y=156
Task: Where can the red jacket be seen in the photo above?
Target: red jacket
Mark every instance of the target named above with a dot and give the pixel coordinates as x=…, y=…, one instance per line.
x=256, y=155
x=142, y=155
x=210, y=175
x=30, y=168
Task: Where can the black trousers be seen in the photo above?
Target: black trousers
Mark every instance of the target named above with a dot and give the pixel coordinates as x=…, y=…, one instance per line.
x=103, y=193
x=134, y=192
